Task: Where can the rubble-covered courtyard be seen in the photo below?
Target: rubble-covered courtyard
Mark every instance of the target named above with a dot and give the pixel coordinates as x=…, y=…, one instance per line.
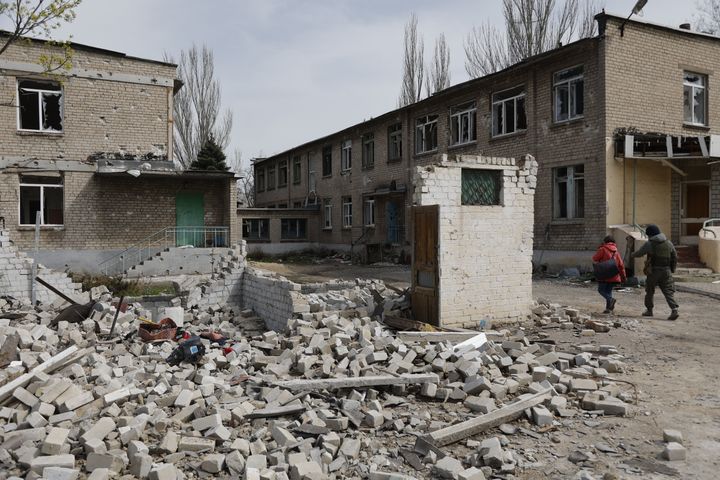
x=571, y=394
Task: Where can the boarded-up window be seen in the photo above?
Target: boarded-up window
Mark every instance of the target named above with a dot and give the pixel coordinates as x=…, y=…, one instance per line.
x=481, y=187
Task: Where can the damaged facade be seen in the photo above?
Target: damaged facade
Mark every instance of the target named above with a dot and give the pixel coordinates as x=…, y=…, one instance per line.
x=571, y=108
x=91, y=150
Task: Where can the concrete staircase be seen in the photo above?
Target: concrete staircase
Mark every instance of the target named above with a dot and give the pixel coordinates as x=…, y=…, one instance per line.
x=689, y=263
x=182, y=261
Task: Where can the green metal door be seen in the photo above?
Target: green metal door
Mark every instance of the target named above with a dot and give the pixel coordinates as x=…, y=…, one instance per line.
x=189, y=218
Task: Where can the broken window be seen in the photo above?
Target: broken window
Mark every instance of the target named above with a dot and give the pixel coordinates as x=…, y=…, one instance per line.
x=395, y=142
x=569, y=192
x=569, y=88
x=42, y=194
x=297, y=204
x=426, y=134
x=282, y=173
x=297, y=169
x=480, y=187
x=271, y=177
x=695, y=98
x=346, y=156
x=41, y=106
x=327, y=161
x=293, y=229
x=256, y=229
x=508, y=112
x=369, y=213
x=462, y=124
x=260, y=179
x=327, y=213
x=347, y=212
x=368, y=150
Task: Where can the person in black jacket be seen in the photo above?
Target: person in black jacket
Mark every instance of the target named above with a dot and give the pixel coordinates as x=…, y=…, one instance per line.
x=663, y=261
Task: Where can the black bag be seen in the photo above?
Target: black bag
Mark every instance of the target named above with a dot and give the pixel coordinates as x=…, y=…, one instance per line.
x=607, y=269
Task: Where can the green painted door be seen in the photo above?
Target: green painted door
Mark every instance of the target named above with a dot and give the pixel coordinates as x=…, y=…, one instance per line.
x=189, y=218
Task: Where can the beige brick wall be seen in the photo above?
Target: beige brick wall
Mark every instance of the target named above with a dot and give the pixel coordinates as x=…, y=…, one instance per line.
x=484, y=252
x=577, y=142
x=114, y=212
x=100, y=115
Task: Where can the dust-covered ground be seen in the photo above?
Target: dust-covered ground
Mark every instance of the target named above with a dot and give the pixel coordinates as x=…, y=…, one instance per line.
x=673, y=366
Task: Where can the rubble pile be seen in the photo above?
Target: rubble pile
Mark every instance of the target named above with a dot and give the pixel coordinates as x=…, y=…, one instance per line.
x=553, y=315
x=338, y=395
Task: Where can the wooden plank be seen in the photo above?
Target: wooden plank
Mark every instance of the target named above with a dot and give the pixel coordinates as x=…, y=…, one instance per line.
x=277, y=411
x=357, y=382
x=47, y=366
x=468, y=428
x=434, y=337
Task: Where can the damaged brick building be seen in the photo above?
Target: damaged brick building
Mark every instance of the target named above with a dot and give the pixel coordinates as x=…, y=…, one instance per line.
x=592, y=113
x=90, y=149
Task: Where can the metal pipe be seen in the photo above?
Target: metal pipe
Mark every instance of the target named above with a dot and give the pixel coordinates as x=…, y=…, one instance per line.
x=55, y=291
x=117, y=312
x=634, y=201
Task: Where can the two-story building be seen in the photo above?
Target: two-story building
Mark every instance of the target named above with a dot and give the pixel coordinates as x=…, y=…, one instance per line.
x=624, y=126
x=87, y=154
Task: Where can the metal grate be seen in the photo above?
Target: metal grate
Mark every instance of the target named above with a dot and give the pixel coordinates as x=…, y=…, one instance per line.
x=481, y=187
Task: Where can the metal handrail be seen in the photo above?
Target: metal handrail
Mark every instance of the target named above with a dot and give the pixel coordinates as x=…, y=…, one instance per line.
x=640, y=229
x=706, y=223
x=162, y=239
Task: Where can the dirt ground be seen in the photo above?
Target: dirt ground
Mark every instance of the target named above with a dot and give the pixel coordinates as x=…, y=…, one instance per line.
x=672, y=364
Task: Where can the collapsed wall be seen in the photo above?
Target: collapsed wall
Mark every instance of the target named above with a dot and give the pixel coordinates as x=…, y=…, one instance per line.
x=485, y=241
x=16, y=275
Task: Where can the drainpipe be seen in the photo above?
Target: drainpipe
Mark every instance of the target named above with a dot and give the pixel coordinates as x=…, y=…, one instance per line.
x=634, y=200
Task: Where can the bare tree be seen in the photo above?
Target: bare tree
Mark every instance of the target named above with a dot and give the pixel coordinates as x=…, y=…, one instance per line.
x=246, y=179
x=197, y=105
x=531, y=27
x=38, y=18
x=439, y=75
x=413, y=64
x=708, y=19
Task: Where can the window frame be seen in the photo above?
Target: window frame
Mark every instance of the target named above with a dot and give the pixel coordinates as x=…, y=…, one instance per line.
x=347, y=213
x=260, y=237
x=704, y=88
x=368, y=157
x=346, y=156
x=571, y=179
x=369, y=213
x=424, y=125
x=505, y=101
x=395, y=139
x=327, y=161
x=297, y=169
x=42, y=187
x=282, y=167
x=456, y=113
x=297, y=222
x=260, y=173
x=270, y=176
x=40, y=92
x=327, y=214
x=571, y=84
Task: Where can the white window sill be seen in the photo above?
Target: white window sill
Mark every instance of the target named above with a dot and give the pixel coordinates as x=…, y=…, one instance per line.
x=460, y=145
x=569, y=120
x=51, y=133
x=370, y=225
x=506, y=135
x=428, y=152
x=347, y=228
x=699, y=126
x=42, y=227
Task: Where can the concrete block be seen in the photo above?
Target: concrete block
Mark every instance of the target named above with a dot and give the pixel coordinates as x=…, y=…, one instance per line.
x=471, y=473
x=104, y=460
x=542, y=416
x=674, y=451
x=163, y=471
x=38, y=464
x=99, y=430
x=480, y=404
x=99, y=474
x=213, y=463
x=25, y=397
x=60, y=473
x=306, y=471
x=195, y=444
x=54, y=441
x=447, y=467
x=672, y=436
x=140, y=465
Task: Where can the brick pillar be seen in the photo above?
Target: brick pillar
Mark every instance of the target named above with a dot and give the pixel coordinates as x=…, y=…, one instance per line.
x=675, y=192
x=232, y=215
x=715, y=190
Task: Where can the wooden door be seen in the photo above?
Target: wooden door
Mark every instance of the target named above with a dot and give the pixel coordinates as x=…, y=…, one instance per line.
x=697, y=206
x=425, y=265
x=190, y=218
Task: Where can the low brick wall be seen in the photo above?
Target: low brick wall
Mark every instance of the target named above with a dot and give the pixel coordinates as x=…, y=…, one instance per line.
x=16, y=275
x=274, y=298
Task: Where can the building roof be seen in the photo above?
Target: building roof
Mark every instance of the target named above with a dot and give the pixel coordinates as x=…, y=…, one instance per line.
x=478, y=81
x=90, y=48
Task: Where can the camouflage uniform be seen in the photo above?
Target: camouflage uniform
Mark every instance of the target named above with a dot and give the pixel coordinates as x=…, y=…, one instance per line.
x=663, y=261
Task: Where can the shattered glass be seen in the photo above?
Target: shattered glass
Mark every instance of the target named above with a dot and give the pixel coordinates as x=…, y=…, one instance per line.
x=52, y=112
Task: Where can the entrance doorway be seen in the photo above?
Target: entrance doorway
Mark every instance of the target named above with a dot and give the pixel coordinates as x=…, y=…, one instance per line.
x=189, y=218
x=425, y=265
x=695, y=209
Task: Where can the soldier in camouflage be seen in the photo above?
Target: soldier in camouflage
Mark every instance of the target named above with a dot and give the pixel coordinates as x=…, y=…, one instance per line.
x=662, y=261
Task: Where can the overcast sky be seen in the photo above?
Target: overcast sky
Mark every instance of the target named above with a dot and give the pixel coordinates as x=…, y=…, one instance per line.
x=294, y=70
